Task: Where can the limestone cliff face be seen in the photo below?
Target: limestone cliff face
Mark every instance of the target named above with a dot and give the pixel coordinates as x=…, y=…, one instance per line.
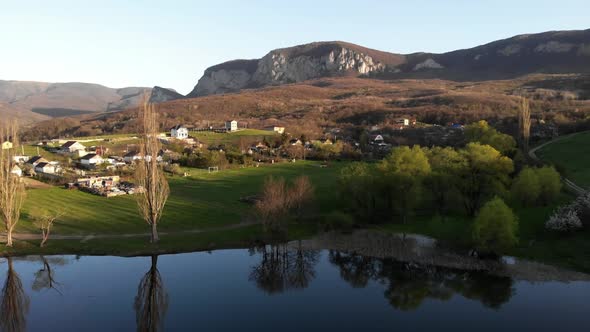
x=290, y=65
x=159, y=95
x=278, y=67
x=553, y=52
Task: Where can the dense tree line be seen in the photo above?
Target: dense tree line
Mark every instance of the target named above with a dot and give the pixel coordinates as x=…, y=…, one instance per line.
x=475, y=180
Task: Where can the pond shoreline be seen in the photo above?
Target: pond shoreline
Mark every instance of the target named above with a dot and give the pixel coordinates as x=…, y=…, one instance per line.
x=414, y=249
x=422, y=250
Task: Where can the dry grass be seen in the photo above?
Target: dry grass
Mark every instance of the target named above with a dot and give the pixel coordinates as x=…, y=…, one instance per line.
x=347, y=102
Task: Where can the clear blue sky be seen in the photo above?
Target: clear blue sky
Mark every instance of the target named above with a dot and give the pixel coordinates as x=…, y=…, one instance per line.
x=170, y=43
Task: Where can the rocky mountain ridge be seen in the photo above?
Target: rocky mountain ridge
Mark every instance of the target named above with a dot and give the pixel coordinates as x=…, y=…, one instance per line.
x=554, y=52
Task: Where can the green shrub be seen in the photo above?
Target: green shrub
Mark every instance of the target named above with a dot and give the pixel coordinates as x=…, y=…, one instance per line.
x=495, y=227
x=550, y=183
x=526, y=187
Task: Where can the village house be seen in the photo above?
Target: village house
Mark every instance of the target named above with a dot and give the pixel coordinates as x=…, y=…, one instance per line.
x=231, y=125
x=72, y=147
x=295, y=141
x=98, y=181
x=179, y=132
x=16, y=170
x=376, y=139
x=99, y=150
x=402, y=121
x=37, y=160
x=131, y=157
x=45, y=168
x=20, y=159
x=91, y=160
x=276, y=129
x=6, y=145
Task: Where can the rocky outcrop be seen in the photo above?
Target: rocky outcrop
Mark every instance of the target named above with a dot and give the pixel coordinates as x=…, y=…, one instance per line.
x=554, y=52
x=428, y=64
x=160, y=95
x=292, y=65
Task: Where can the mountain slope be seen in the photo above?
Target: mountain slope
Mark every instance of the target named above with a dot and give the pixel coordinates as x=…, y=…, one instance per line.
x=555, y=52
x=34, y=101
x=294, y=64
x=352, y=105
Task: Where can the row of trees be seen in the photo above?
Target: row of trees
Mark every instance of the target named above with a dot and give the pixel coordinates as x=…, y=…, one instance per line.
x=475, y=180
x=436, y=179
x=280, y=199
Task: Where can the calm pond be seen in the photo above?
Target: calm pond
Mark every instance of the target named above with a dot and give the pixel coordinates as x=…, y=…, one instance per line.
x=276, y=288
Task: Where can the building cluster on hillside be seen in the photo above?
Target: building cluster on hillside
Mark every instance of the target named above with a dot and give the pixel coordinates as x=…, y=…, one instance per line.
x=78, y=160
x=107, y=186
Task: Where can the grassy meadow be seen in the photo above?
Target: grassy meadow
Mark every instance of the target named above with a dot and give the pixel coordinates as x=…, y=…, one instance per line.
x=571, y=154
x=209, y=137
x=202, y=200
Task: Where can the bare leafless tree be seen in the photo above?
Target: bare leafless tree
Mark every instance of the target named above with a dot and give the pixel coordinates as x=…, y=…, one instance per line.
x=300, y=194
x=278, y=199
x=524, y=123
x=15, y=302
x=149, y=175
x=44, y=221
x=151, y=301
x=12, y=189
x=274, y=204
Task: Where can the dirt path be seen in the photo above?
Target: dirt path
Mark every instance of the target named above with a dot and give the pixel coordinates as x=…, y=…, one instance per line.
x=532, y=153
x=88, y=237
x=31, y=183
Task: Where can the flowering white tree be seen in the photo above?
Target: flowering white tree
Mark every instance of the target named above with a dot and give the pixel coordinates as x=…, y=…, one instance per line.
x=564, y=219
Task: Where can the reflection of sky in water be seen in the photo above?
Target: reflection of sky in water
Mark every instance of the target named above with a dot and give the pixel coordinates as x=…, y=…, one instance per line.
x=214, y=291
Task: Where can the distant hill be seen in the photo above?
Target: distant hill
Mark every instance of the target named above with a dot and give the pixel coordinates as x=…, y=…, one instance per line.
x=555, y=52
x=352, y=104
x=35, y=101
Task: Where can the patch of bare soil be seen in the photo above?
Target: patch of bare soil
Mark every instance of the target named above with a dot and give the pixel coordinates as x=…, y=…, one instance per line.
x=35, y=184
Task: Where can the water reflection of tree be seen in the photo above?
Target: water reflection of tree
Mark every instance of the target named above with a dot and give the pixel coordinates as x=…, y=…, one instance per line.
x=151, y=301
x=283, y=267
x=14, y=305
x=492, y=291
x=408, y=285
x=357, y=270
x=45, y=277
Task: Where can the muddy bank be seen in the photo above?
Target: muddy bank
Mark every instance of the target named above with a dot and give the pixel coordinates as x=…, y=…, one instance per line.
x=421, y=250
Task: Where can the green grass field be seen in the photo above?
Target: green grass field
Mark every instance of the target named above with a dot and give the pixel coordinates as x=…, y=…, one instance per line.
x=535, y=242
x=202, y=200
x=209, y=201
x=572, y=154
x=209, y=137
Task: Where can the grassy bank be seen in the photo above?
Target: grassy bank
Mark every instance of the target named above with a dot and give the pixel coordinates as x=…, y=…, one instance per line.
x=535, y=242
x=169, y=243
x=201, y=201
x=210, y=201
x=572, y=154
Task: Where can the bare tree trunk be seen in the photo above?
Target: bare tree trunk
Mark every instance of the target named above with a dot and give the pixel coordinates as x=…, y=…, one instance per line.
x=524, y=123
x=9, y=237
x=45, y=238
x=155, y=237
